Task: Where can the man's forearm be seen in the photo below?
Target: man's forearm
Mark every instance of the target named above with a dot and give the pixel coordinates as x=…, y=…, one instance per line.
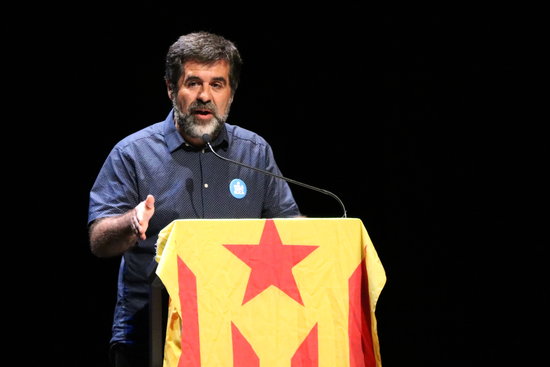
x=112, y=236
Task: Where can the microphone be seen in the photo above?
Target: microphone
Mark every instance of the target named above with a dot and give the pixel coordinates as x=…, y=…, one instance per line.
x=207, y=139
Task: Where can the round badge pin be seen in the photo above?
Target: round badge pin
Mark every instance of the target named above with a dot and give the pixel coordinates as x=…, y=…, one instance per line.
x=237, y=188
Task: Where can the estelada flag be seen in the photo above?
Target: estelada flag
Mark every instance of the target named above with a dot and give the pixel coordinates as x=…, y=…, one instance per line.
x=278, y=292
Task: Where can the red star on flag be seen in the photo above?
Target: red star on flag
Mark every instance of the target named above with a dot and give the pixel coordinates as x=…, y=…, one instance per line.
x=271, y=262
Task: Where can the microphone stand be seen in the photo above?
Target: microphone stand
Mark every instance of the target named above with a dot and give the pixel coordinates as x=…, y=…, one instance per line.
x=206, y=139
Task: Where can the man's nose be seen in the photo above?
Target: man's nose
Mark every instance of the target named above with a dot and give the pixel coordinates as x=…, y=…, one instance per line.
x=205, y=94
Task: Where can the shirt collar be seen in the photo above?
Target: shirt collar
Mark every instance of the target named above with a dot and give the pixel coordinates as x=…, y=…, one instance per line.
x=174, y=140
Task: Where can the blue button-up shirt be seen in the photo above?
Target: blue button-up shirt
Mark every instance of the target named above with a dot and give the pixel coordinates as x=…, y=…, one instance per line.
x=187, y=183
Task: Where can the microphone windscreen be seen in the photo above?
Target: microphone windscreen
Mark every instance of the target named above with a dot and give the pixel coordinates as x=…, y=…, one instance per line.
x=206, y=138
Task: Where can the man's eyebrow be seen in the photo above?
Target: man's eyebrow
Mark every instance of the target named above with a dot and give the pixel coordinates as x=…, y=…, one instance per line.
x=219, y=79
x=192, y=77
x=215, y=79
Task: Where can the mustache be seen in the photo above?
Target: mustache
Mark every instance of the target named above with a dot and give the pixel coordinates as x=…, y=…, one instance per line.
x=201, y=106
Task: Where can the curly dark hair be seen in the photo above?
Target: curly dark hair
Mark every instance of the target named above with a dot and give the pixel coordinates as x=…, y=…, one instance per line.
x=205, y=48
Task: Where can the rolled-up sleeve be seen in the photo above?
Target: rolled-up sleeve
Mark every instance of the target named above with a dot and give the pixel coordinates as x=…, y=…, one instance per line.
x=115, y=189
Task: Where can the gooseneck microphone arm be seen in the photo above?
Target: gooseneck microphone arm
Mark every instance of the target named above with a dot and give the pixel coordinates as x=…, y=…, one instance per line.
x=206, y=138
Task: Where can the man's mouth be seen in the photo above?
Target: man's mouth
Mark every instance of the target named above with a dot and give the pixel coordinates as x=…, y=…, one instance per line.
x=202, y=113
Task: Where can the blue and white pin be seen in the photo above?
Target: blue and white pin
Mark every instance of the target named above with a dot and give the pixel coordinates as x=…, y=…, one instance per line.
x=237, y=188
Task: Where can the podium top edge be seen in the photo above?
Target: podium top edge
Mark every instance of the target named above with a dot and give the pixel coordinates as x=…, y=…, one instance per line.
x=259, y=219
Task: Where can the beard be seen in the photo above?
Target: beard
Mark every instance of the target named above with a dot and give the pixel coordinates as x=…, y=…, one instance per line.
x=196, y=128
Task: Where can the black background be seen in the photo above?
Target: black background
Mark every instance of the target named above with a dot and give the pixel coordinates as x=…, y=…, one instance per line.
x=420, y=120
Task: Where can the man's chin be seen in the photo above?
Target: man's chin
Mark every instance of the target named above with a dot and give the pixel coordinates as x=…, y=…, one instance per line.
x=211, y=129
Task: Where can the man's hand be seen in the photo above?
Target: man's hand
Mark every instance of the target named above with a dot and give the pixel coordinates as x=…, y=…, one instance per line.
x=142, y=214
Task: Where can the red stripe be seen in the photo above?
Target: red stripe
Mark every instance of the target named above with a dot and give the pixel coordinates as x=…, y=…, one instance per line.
x=243, y=354
x=307, y=355
x=190, y=344
x=360, y=336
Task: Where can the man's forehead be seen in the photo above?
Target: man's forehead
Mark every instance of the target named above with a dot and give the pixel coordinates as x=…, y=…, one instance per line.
x=216, y=69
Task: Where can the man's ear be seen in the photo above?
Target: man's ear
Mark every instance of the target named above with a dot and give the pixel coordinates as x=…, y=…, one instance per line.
x=168, y=89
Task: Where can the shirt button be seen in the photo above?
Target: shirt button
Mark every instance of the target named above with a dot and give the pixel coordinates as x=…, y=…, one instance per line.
x=205, y=186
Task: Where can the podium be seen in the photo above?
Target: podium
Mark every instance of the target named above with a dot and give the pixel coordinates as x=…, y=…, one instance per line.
x=270, y=292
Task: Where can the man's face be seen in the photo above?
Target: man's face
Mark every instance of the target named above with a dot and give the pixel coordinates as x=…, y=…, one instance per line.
x=203, y=98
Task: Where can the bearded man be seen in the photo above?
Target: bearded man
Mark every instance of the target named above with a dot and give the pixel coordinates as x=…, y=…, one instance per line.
x=163, y=173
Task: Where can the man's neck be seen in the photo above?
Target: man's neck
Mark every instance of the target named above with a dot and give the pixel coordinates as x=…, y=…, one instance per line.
x=196, y=142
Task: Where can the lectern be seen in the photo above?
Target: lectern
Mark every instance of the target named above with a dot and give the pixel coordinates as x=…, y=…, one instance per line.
x=269, y=292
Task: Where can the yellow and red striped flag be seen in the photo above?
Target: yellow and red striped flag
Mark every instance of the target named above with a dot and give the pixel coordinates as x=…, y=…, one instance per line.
x=278, y=292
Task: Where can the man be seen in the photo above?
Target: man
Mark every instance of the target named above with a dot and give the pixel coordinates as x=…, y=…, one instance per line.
x=164, y=172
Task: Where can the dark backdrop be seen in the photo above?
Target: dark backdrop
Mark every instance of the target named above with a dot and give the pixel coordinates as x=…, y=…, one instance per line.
x=416, y=118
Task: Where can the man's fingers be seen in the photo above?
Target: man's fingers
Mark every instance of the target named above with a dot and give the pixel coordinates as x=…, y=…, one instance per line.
x=142, y=214
x=150, y=202
x=134, y=222
x=137, y=227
